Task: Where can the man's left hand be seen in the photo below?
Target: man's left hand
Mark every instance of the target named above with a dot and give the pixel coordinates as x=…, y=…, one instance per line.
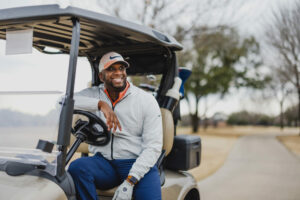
x=124, y=191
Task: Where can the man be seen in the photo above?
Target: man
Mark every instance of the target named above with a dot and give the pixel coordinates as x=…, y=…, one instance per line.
x=134, y=118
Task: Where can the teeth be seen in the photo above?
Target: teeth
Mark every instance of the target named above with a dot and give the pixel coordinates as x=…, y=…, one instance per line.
x=117, y=79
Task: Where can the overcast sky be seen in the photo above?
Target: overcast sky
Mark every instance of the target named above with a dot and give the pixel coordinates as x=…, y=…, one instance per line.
x=254, y=15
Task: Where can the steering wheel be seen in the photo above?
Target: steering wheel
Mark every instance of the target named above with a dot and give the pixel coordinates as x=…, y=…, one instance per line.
x=94, y=131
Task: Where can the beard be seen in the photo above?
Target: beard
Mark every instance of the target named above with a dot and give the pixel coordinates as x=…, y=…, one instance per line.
x=116, y=88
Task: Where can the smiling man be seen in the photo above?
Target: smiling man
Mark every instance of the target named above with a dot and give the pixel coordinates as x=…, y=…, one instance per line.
x=134, y=118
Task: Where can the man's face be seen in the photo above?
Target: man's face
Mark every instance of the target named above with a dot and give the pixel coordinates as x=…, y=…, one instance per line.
x=114, y=77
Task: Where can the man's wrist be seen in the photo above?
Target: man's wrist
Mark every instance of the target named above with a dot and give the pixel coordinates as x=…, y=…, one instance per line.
x=132, y=180
x=99, y=105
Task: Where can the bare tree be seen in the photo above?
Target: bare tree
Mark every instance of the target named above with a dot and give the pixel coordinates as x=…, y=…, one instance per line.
x=284, y=37
x=279, y=89
x=169, y=16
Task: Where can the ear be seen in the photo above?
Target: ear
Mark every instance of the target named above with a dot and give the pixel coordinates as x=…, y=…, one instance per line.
x=101, y=76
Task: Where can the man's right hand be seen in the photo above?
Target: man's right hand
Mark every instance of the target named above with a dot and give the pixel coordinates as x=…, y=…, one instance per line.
x=112, y=121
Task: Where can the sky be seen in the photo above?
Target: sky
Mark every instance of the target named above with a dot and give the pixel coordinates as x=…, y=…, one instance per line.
x=50, y=73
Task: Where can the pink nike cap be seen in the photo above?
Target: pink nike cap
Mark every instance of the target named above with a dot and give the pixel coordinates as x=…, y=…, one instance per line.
x=111, y=58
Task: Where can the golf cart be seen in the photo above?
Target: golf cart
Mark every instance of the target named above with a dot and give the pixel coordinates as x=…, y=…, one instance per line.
x=41, y=173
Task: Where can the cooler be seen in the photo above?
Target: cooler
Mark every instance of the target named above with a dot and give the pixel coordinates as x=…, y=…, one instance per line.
x=185, y=154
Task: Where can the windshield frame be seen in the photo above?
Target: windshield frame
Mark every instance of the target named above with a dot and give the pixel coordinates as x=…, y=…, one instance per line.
x=66, y=115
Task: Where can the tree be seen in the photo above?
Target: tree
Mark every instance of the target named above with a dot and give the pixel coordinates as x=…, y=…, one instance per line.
x=280, y=89
x=221, y=60
x=284, y=38
x=170, y=16
x=291, y=115
x=248, y=118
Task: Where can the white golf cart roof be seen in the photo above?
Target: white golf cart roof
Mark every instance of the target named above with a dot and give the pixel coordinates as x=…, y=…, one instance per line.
x=99, y=33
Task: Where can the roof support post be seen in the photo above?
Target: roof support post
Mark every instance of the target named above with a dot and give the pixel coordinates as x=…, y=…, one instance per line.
x=65, y=120
x=94, y=62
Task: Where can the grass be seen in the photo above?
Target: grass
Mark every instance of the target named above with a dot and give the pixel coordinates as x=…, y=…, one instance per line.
x=292, y=143
x=218, y=142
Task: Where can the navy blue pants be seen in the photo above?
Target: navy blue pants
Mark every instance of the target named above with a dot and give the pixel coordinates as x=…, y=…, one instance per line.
x=94, y=172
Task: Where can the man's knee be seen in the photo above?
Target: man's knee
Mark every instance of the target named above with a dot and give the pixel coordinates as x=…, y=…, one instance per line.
x=75, y=167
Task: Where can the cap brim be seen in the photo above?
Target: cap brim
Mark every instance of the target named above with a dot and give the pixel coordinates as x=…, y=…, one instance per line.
x=118, y=61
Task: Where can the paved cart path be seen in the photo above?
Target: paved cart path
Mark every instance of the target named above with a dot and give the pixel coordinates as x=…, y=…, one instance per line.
x=258, y=167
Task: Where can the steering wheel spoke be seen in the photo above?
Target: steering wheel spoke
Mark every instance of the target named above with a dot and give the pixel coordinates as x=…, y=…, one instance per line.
x=94, y=130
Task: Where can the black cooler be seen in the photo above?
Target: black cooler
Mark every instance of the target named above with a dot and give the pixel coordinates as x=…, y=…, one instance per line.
x=185, y=154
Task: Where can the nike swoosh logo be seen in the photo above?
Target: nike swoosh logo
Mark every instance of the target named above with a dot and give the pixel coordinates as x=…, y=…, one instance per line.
x=113, y=57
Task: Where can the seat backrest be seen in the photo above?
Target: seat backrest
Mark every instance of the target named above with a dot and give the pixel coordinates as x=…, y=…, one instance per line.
x=168, y=132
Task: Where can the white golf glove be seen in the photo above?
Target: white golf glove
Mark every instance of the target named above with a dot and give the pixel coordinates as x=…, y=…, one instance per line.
x=124, y=191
